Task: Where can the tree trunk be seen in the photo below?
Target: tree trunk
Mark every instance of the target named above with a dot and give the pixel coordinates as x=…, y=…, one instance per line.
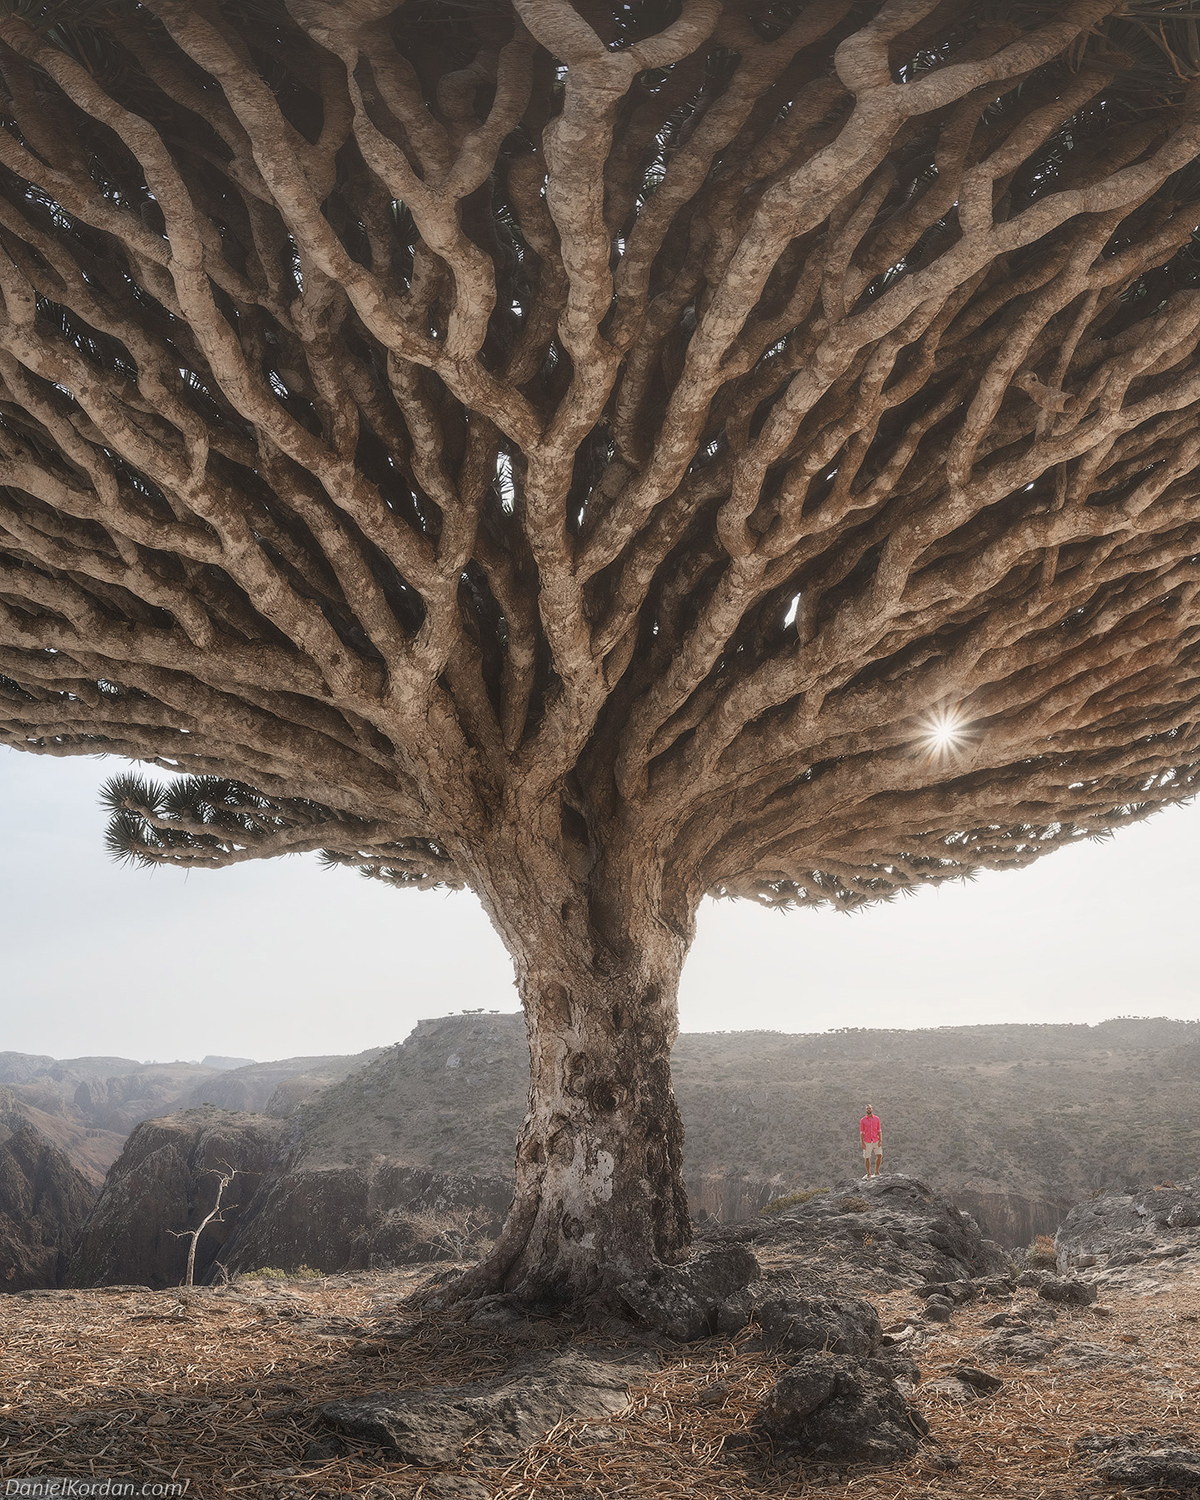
x=599, y=1170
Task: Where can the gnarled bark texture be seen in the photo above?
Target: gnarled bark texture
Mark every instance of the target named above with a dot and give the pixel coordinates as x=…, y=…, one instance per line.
x=599, y=1193
x=603, y=455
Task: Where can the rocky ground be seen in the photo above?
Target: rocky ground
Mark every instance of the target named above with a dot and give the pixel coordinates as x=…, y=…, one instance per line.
x=874, y=1315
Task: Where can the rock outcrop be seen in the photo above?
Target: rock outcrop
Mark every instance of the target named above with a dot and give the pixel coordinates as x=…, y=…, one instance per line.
x=886, y=1233
x=365, y=1217
x=1128, y=1227
x=494, y=1419
x=162, y=1186
x=43, y=1204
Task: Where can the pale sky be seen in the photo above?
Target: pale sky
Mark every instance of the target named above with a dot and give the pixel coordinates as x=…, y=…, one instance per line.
x=281, y=958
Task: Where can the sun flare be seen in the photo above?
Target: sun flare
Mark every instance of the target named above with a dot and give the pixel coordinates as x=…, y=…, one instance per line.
x=944, y=732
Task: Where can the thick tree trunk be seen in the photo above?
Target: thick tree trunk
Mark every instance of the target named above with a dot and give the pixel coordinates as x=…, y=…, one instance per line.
x=599, y=1185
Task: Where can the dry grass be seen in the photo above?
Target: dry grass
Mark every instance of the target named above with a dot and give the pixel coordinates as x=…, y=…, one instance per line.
x=221, y=1391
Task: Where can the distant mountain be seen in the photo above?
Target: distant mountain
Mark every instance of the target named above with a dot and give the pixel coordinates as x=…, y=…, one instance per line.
x=253, y=1086
x=87, y=1106
x=20, y=1067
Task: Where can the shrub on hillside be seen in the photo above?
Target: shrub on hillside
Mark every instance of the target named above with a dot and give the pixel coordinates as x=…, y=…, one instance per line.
x=1041, y=1254
x=791, y=1200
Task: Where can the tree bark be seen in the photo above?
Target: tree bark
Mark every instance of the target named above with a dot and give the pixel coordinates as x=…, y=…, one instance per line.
x=599, y=1167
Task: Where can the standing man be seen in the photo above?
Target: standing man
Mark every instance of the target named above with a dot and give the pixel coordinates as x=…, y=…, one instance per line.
x=870, y=1132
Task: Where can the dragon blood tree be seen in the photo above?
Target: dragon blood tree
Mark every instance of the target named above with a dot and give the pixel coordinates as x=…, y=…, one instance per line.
x=601, y=455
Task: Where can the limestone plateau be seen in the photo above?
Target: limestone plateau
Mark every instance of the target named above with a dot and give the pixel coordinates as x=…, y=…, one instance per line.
x=602, y=455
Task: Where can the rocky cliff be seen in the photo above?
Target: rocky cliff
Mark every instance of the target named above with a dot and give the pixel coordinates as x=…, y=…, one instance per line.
x=1017, y=1123
x=43, y=1204
x=356, y=1218
x=163, y=1185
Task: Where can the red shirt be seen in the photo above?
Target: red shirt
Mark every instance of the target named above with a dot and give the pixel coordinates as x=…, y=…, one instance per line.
x=869, y=1127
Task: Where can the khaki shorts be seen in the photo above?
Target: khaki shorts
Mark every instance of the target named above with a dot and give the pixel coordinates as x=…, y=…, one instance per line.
x=871, y=1149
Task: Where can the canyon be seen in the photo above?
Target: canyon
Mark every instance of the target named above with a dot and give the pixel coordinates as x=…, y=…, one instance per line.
x=385, y=1157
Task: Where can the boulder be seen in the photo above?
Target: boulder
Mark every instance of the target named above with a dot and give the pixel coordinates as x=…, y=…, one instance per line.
x=1011, y=1347
x=906, y=1235
x=1040, y=1313
x=904, y=1373
x=938, y=1309
x=840, y=1410
x=1008, y=1320
x=839, y=1325
x=1143, y=1461
x=697, y=1299
x=1067, y=1291
x=994, y=1288
x=956, y=1292
x=964, y=1383
x=494, y=1420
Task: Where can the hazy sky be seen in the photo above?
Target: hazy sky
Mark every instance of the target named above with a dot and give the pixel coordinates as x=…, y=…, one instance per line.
x=281, y=958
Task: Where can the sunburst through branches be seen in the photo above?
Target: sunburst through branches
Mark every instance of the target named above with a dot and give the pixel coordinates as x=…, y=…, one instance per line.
x=945, y=733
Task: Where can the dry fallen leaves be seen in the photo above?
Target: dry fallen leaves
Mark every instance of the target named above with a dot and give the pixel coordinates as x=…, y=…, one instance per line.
x=221, y=1389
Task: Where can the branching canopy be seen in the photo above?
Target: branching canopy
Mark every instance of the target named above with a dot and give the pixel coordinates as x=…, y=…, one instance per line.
x=667, y=413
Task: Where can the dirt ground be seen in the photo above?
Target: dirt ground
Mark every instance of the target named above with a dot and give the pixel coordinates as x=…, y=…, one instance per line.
x=220, y=1389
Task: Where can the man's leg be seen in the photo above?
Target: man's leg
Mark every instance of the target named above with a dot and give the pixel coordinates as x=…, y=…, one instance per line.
x=878, y=1160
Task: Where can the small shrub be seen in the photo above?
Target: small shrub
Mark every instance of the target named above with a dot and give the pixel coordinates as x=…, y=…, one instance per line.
x=791, y=1200
x=452, y=1233
x=853, y=1205
x=276, y=1273
x=1041, y=1255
